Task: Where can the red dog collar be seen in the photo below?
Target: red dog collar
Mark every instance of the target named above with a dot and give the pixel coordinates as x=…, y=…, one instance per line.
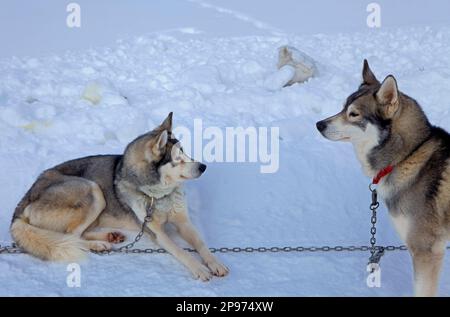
x=385, y=171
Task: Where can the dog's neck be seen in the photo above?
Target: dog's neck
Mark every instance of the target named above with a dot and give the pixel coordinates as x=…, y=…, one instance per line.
x=407, y=133
x=126, y=179
x=158, y=191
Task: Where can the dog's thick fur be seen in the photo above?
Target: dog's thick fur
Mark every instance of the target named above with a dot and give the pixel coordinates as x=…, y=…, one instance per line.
x=58, y=217
x=387, y=127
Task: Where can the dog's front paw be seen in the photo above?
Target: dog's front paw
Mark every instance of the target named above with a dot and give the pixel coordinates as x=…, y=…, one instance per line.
x=217, y=268
x=99, y=246
x=201, y=272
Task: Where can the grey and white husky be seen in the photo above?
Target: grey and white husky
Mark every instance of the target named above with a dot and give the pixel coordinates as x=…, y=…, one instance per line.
x=397, y=146
x=58, y=217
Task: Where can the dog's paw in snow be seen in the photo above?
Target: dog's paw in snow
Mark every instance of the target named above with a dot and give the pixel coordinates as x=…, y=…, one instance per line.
x=201, y=272
x=217, y=268
x=99, y=246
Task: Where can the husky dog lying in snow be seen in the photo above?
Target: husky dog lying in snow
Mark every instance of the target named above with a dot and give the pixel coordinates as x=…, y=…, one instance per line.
x=303, y=66
x=294, y=66
x=57, y=218
x=410, y=158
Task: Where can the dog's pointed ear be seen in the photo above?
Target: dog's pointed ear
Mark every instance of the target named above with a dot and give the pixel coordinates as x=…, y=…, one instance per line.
x=159, y=146
x=167, y=123
x=367, y=75
x=284, y=52
x=388, y=95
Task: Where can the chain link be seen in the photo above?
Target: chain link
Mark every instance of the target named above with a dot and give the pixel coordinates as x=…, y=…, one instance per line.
x=10, y=249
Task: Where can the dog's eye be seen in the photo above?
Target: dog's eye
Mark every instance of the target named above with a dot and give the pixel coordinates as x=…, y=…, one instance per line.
x=353, y=114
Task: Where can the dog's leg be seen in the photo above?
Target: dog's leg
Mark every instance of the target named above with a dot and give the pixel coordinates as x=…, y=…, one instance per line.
x=95, y=241
x=197, y=269
x=427, y=266
x=188, y=233
x=97, y=245
x=112, y=237
x=109, y=236
x=62, y=213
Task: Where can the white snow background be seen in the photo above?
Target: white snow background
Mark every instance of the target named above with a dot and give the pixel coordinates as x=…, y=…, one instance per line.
x=210, y=60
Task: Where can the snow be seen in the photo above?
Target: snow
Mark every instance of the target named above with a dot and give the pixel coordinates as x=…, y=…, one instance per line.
x=65, y=94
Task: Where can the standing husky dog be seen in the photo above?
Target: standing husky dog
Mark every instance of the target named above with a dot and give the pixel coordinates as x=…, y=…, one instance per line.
x=57, y=217
x=397, y=145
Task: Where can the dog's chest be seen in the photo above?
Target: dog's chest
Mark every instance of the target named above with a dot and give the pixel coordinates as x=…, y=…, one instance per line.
x=172, y=203
x=395, y=201
x=399, y=219
x=167, y=199
x=384, y=190
x=402, y=224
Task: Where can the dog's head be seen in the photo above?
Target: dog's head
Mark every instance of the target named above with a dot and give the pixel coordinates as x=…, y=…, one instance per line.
x=157, y=158
x=367, y=113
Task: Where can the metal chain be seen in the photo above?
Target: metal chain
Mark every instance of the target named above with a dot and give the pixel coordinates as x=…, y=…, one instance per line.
x=339, y=248
x=375, y=252
x=10, y=249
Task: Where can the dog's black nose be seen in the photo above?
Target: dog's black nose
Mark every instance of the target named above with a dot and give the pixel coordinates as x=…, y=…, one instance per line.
x=321, y=125
x=202, y=168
